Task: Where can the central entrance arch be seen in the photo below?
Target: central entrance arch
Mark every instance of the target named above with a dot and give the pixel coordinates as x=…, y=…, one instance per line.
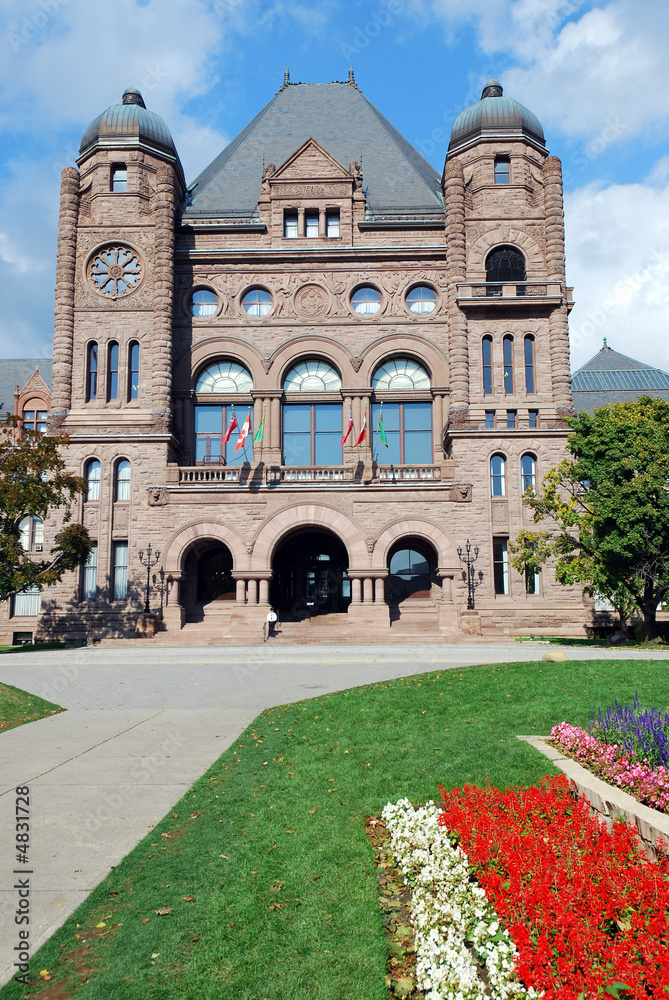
x=310, y=575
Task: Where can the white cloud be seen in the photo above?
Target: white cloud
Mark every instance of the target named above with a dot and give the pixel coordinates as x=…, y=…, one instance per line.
x=618, y=262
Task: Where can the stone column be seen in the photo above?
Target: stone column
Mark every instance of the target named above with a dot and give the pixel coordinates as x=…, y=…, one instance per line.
x=301, y=231
x=275, y=424
x=367, y=590
x=240, y=595
x=66, y=260
x=252, y=591
x=355, y=591
x=438, y=427
x=174, y=614
x=454, y=193
x=264, y=591
x=163, y=283
x=379, y=589
x=555, y=265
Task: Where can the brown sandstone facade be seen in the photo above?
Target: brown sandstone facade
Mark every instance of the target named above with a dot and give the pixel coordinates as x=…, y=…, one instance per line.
x=313, y=538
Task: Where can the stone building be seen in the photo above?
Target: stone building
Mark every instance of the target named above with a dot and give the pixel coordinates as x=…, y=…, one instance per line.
x=385, y=350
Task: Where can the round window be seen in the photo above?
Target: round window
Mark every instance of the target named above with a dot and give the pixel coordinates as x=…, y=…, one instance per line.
x=366, y=300
x=257, y=302
x=115, y=271
x=203, y=303
x=421, y=299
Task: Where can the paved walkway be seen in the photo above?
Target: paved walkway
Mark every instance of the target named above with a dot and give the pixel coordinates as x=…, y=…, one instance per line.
x=142, y=725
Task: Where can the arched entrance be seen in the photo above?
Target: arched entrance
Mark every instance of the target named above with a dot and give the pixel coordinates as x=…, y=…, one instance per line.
x=310, y=576
x=208, y=574
x=411, y=572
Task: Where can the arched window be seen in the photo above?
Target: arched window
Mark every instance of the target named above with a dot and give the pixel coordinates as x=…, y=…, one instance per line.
x=122, y=480
x=203, y=303
x=92, y=477
x=504, y=265
x=133, y=370
x=401, y=432
x=90, y=575
x=112, y=370
x=400, y=373
x=497, y=476
x=366, y=300
x=528, y=471
x=91, y=371
x=410, y=574
x=507, y=345
x=31, y=532
x=422, y=299
x=313, y=375
x=224, y=376
x=257, y=302
x=529, y=363
x=487, y=365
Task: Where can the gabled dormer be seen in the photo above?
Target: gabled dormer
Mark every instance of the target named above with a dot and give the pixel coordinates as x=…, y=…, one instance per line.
x=311, y=197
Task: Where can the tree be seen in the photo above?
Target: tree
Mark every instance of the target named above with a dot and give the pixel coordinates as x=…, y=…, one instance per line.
x=609, y=508
x=34, y=481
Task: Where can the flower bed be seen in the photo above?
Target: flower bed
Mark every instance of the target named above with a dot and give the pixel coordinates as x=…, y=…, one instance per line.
x=615, y=764
x=586, y=910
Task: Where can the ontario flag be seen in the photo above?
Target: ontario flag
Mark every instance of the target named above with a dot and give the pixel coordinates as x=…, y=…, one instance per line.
x=244, y=433
x=233, y=425
x=349, y=428
x=363, y=431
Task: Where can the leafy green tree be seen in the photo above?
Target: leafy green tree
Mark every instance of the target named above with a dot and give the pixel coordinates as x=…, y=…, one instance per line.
x=34, y=481
x=608, y=509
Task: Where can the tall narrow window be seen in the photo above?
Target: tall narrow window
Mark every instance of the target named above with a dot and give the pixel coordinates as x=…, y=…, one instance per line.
x=511, y=419
x=508, y=365
x=533, y=418
x=408, y=431
x=90, y=575
x=92, y=477
x=91, y=371
x=489, y=420
x=528, y=472
x=311, y=224
x=500, y=557
x=312, y=434
x=332, y=222
x=112, y=371
x=122, y=480
x=497, y=476
x=532, y=581
x=501, y=170
x=25, y=532
x=290, y=225
x=529, y=363
x=119, y=177
x=120, y=571
x=487, y=366
x=133, y=370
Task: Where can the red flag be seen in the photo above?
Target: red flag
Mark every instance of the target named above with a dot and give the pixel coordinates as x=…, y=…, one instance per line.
x=244, y=432
x=232, y=426
x=349, y=428
x=363, y=433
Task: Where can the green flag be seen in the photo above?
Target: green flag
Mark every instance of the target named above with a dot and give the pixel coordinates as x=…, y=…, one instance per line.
x=259, y=433
x=382, y=431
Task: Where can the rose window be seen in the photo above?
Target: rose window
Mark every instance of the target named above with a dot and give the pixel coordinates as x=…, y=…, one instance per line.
x=115, y=271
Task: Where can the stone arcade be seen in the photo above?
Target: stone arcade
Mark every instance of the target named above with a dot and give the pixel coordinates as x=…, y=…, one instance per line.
x=317, y=283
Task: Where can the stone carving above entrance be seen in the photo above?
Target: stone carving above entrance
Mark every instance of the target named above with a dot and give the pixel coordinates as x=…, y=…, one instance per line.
x=461, y=493
x=311, y=301
x=158, y=496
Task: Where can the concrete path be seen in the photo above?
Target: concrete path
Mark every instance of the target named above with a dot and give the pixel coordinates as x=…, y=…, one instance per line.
x=142, y=725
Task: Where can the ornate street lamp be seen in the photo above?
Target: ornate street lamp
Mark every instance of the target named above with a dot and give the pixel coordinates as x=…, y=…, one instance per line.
x=163, y=587
x=468, y=574
x=149, y=563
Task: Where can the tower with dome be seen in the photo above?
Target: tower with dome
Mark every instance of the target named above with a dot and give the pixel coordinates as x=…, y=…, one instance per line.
x=310, y=376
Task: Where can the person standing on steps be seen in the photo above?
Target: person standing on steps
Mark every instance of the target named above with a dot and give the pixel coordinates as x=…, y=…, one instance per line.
x=271, y=622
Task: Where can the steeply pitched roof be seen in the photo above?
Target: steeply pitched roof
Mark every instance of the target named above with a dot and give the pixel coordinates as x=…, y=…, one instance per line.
x=611, y=377
x=397, y=180
x=18, y=371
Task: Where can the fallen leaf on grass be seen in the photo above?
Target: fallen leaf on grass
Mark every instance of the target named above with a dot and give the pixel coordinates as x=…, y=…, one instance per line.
x=155, y=954
x=167, y=836
x=144, y=921
x=224, y=856
x=45, y=974
x=189, y=899
x=163, y=911
x=101, y=924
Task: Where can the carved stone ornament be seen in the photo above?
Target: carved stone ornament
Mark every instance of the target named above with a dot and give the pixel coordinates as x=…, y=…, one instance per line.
x=115, y=271
x=461, y=493
x=370, y=542
x=158, y=496
x=311, y=301
x=267, y=364
x=356, y=363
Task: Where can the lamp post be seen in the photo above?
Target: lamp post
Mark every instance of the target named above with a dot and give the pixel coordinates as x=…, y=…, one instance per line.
x=149, y=562
x=469, y=574
x=163, y=587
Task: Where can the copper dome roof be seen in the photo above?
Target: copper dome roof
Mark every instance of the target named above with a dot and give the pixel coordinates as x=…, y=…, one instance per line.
x=495, y=116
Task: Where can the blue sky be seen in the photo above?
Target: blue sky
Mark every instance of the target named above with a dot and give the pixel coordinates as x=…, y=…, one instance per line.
x=595, y=74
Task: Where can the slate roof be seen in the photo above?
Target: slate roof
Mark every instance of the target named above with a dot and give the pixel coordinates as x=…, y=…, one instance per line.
x=611, y=377
x=397, y=180
x=17, y=371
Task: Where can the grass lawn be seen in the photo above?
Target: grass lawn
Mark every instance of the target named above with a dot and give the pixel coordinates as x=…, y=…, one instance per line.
x=263, y=868
x=17, y=707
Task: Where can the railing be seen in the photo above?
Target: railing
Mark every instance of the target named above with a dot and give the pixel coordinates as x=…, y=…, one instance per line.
x=209, y=474
x=407, y=473
x=511, y=290
x=276, y=474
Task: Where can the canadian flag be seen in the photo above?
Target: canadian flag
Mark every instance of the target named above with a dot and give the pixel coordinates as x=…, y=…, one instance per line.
x=244, y=432
x=363, y=432
x=349, y=428
x=233, y=425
